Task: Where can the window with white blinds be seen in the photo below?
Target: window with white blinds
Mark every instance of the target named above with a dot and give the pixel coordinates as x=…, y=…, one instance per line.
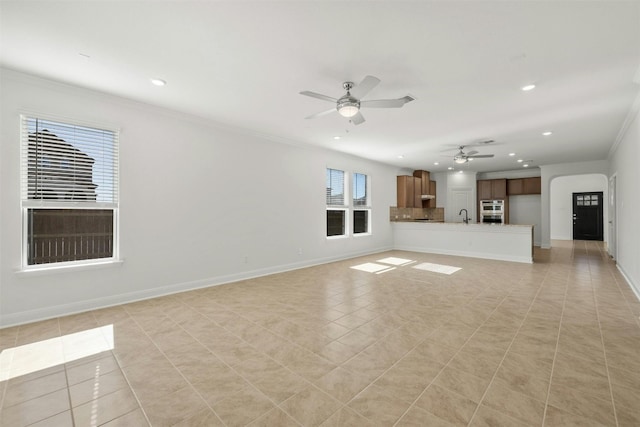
x=69, y=191
x=336, y=203
x=68, y=163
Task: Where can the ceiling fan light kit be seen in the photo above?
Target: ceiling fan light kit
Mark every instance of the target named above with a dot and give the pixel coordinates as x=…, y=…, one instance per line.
x=349, y=105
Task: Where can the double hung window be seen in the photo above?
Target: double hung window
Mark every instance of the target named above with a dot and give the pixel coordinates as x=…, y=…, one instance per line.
x=347, y=213
x=361, y=205
x=336, y=203
x=69, y=192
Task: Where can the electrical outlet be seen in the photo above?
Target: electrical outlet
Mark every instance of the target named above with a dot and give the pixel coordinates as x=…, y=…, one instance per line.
x=299, y=251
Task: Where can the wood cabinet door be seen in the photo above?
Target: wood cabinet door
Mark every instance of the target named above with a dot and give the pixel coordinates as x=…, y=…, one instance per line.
x=417, y=192
x=432, y=190
x=425, y=177
x=532, y=185
x=405, y=196
x=484, y=189
x=499, y=189
x=515, y=186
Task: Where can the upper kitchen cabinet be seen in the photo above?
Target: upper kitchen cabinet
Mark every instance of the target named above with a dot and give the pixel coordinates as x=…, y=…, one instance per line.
x=492, y=189
x=425, y=178
x=532, y=185
x=405, y=191
x=520, y=186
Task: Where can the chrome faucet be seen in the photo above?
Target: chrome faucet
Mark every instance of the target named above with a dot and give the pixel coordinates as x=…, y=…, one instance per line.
x=466, y=216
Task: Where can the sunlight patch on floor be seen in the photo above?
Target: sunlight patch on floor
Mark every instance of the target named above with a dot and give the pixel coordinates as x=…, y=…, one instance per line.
x=437, y=268
x=371, y=267
x=396, y=261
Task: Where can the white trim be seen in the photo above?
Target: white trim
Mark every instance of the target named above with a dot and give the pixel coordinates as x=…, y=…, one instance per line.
x=631, y=116
x=68, y=266
x=98, y=303
x=635, y=287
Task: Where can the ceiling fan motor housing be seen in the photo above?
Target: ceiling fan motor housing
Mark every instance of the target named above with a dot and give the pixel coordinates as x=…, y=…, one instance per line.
x=348, y=106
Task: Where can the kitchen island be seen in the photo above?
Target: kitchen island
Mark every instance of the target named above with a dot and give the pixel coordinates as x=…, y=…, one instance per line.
x=489, y=241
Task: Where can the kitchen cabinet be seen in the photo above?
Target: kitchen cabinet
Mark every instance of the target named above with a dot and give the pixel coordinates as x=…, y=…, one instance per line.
x=492, y=189
x=519, y=186
x=405, y=191
x=431, y=203
x=417, y=192
x=532, y=185
x=515, y=186
x=425, y=178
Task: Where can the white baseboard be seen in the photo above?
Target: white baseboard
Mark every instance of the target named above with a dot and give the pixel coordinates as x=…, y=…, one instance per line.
x=635, y=287
x=28, y=316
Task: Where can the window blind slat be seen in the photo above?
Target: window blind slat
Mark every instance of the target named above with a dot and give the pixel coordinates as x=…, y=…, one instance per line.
x=68, y=162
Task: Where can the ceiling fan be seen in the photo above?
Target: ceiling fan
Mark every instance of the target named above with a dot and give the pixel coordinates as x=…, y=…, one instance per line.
x=462, y=157
x=349, y=104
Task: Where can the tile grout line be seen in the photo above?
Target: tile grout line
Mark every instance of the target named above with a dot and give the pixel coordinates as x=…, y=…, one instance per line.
x=452, y=357
x=604, y=349
x=507, y=351
x=555, y=354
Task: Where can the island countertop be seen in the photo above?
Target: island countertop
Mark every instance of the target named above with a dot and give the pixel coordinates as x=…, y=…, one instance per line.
x=508, y=242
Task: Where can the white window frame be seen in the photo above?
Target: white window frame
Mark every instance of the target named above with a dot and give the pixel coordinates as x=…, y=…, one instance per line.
x=366, y=207
x=26, y=203
x=344, y=207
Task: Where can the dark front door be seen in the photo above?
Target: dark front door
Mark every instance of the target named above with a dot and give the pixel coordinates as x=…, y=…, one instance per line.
x=587, y=216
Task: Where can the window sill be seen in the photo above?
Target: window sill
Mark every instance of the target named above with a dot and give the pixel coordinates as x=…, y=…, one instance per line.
x=53, y=269
x=361, y=234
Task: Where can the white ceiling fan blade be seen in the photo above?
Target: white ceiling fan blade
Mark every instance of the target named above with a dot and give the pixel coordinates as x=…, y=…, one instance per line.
x=472, y=152
x=365, y=86
x=321, y=113
x=318, y=95
x=387, y=103
x=480, y=156
x=357, y=119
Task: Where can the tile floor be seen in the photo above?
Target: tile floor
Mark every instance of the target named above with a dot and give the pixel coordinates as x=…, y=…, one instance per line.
x=556, y=343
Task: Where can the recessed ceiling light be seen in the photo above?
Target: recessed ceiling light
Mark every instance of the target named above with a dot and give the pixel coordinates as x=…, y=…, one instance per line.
x=512, y=154
x=436, y=163
x=460, y=171
x=526, y=165
x=450, y=168
x=547, y=133
x=520, y=160
x=527, y=88
x=401, y=156
x=336, y=137
x=158, y=82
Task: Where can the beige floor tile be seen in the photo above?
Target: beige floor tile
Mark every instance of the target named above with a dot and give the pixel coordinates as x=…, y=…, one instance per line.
x=379, y=404
x=133, y=418
x=463, y=383
x=63, y=419
x=514, y=404
x=36, y=409
x=105, y=408
x=173, y=408
x=447, y=405
x=416, y=417
x=281, y=384
x=242, y=407
x=26, y=390
x=275, y=417
x=310, y=406
x=489, y=417
x=346, y=417
x=582, y=404
x=258, y=343
x=555, y=417
x=96, y=387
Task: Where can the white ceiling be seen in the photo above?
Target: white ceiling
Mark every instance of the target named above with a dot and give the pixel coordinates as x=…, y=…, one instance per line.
x=243, y=64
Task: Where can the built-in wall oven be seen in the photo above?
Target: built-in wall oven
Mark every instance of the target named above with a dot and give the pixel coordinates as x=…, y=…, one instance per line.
x=492, y=211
